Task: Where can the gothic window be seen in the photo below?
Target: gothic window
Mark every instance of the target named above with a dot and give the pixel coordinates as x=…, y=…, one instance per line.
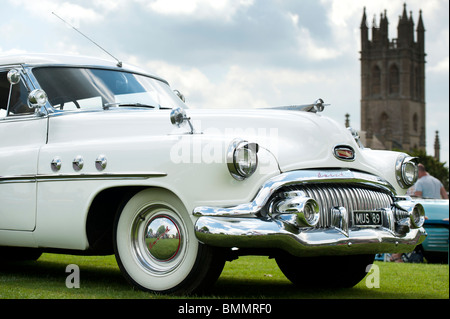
x=415, y=122
x=394, y=79
x=384, y=123
x=376, y=80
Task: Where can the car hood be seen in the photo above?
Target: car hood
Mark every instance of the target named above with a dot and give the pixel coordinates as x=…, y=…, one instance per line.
x=298, y=140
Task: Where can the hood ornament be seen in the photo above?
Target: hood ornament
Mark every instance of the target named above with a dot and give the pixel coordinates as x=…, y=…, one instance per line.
x=317, y=106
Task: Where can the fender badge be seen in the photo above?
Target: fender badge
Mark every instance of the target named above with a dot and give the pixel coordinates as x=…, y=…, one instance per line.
x=344, y=153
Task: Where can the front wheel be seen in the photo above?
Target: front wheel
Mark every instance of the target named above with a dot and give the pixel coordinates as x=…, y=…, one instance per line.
x=325, y=271
x=156, y=248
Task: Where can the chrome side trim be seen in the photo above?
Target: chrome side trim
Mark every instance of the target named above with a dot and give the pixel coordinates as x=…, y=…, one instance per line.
x=104, y=176
x=76, y=177
x=17, y=179
x=295, y=178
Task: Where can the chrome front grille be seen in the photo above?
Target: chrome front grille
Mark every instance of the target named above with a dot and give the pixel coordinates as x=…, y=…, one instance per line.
x=351, y=197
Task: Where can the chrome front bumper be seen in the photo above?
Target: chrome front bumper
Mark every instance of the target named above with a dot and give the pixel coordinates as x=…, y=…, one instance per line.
x=274, y=220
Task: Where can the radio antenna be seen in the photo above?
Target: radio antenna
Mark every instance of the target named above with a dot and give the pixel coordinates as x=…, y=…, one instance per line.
x=119, y=63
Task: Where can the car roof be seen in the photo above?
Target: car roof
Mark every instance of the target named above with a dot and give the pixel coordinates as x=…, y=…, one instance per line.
x=44, y=59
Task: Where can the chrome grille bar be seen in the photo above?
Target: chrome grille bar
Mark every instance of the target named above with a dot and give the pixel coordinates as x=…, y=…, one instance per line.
x=353, y=198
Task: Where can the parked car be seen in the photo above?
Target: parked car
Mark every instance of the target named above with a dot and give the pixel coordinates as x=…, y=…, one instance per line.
x=435, y=246
x=99, y=158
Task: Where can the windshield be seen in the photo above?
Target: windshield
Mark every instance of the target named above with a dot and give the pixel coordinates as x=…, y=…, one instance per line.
x=70, y=88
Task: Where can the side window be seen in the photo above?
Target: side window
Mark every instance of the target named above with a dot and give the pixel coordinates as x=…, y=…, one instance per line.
x=18, y=103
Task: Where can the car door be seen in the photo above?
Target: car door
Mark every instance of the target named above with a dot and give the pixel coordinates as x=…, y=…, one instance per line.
x=22, y=134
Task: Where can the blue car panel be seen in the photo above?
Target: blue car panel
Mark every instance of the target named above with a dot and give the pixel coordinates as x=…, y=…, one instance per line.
x=435, y=246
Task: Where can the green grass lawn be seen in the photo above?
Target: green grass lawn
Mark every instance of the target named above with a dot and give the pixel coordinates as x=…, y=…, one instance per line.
x=247, y=277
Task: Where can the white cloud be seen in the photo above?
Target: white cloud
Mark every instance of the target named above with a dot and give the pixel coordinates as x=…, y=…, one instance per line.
x=240, y=86
x=310, y=49
x=262, y=58
x=440, y=67
x=72, y=13
x=198, y=8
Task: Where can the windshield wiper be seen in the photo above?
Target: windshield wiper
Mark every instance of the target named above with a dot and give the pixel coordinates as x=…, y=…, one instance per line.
x=106, y=106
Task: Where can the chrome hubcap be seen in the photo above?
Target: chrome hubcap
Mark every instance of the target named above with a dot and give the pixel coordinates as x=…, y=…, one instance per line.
x=158, y=239
x=163, y=238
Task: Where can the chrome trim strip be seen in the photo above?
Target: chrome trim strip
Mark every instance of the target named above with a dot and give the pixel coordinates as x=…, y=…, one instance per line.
x=75, y=177
x=104, y=176
x=294, y=178
x=17, y=179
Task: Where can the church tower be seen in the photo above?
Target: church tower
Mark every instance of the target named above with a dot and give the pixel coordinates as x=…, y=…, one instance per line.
x=393, y=82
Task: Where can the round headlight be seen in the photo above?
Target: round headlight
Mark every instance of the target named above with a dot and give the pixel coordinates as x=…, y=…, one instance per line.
x=242, y=159
x=406, y=171
x=409, y=172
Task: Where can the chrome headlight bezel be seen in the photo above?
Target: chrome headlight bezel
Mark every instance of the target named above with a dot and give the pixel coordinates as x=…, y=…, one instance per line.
x=406, y=171
x=242, y=159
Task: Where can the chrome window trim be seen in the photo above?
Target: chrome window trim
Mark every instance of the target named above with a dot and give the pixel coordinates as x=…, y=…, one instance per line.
x=28, y=71
x=30, y=67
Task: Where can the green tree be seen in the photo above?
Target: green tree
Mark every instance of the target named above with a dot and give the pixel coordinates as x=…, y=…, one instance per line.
x=161, y=230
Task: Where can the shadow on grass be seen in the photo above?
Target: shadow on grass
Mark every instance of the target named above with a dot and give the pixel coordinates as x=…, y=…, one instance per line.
x=47, y=280
x=255, y=289
x=101, y=279
x=56, y=272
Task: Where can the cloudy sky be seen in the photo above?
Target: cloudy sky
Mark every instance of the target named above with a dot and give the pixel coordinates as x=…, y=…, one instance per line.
x=239, y=53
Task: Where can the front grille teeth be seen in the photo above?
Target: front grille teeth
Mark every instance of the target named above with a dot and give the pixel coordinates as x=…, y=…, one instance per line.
x=351, y=197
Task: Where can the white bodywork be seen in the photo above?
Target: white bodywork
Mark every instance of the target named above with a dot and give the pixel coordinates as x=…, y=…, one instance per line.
x=44, y=208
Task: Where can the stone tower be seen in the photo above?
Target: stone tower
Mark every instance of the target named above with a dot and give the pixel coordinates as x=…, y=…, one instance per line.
x=393, y=82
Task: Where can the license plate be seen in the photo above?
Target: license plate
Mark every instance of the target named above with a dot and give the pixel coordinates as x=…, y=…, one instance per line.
x=367, y=218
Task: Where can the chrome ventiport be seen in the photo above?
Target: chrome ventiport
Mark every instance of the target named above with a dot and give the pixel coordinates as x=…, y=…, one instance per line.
x=56, y=164
x=100, y=162
x=78, y=163
x=297, y=209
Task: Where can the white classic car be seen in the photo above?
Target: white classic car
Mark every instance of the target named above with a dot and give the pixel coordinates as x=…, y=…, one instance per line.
x=99, y=158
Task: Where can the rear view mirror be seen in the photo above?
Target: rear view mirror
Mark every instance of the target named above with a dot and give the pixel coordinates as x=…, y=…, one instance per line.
x=13, y=76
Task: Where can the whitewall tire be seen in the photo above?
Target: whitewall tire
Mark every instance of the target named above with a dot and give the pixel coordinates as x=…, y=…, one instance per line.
x=156, y=247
